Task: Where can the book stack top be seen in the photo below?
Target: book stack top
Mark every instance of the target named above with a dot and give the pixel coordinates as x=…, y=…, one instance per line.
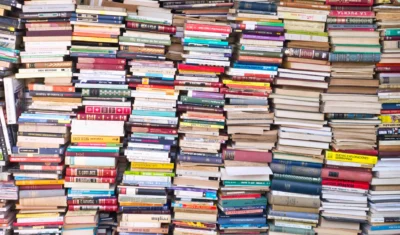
x=355, y=47
x=81, y=222
x=201, y=122
x=345, y=184
x=11, y=26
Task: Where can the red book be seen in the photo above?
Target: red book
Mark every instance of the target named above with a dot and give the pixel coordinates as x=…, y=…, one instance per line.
x=88, y=201
x=154, y=130
x=266, y=78
x=248, y=156
x=388, y=69
x=190, y=83
x=16, y=224
x=91, y=154
x=203, y=68
x=391, y=38
x=366, y=14
x=155, y=86
x=86, y=179
x=91, y=172
x=384, y=154
x=353, y=29
x=101, y=66
x=350, y=2
x=370, y=152
x=85, y=60
x=107, y=110
x=208, y=28
x=92, y=207
x=349, y=168
x=35, y=159
x=151, y=27
x=390, y=111
x=342, y=174
x=40, y=187
x=106, y=117
x=387, y=64
x=346, y=183
x=241, y=196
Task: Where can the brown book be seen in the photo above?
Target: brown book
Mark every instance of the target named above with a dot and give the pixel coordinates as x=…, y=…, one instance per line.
x=305, y=66
x=188, y=182
x=352, y=90
x=294, y=201
x=128, y=7
x=385, y=187
x=44, y=201
x=295, y=209
x=354, y=82
x=58, y=99
x=323, y=46
x=335, y=231
x=65, y=64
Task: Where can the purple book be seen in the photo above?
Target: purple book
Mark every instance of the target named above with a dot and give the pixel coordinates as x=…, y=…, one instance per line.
x=206, y=95
x=259, y=37
x=269, y=28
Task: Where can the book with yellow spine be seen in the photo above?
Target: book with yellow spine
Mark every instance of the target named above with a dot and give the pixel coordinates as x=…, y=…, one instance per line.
x=349, y=157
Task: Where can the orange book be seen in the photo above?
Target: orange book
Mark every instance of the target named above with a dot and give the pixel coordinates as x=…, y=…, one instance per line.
x=100, y=35
x=42, y=87
x=38, y=182
x=260, y=59
x=259, y=88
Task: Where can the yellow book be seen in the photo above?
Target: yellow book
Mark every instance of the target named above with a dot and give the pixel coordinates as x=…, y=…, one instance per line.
x=349, y=157
x=393, y=118
x=38, y=182
x=95, y=139
x=185, y=124
x=263, y=84
x=41, y=215
x=166, y=91
x=94, y=39
x=152, y=165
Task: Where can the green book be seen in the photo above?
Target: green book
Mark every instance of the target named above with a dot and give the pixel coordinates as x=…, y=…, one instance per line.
x=392, y=32
x=205, y=41
x=276, y=24
x=246, y=183
x=202, y=100
x=261, y=53
x=242, y=203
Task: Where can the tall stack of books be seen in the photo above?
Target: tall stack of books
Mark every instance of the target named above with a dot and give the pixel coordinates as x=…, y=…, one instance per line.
x=200, y=125
x=8, y=196
x=385, y=186
x=355, y=47
x=153, y=122
x=345, y=183
x=11, y=35
x=43, y=131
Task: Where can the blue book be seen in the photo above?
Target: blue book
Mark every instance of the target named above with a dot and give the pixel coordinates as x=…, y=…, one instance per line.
x=295, y=170
x=234, y=208
x=256, y=67
x=206, y=45
x=248, y=102
x=299, y=215
x=105, y=17
x=243, y=220
x=258, y=6
x=226, y=226
x=90, y=192
x=48, y=151
x=93, y=55
x=153, y=113
x=46, y=116
x=391, y=106
x=297, y=163
x=154, y=136
x=98, y=20
x=296, y=187
x=385, y=227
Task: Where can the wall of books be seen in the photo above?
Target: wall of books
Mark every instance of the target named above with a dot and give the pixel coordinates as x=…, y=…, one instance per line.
x=200, y=117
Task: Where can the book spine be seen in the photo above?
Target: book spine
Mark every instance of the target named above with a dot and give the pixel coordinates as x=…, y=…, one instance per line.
x=346, y=175
x=41, y=193
x=306, y=53
x=100, y=66
x=90, y=179
x=346, y=183
x=107, y=110
x=151, y=27
x=110, y=61
x=349, y=20
x=298, y=178
x=207, y=28
x=295, y=170
x=270, y=7
x=66, y=64
x=350, y=2
x=100, y=92
x=100, y=201
x=54, y=94
x=108, y=117
x=40, y=187
x=296, y=187
x=251, y=156
x=107, y=208
x=370, y=57
x=91, y=172
x=185, y=158
x=298, y=163
x=343, y=13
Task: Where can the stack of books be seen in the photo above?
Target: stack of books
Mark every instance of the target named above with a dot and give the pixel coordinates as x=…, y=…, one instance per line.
x=81, y=222
x=8, y=196
x=355, y=47
x=96, y=32
x=345, y=183
x=201, y=121
x=11, y=36
x=242, y=198
x=92, y=158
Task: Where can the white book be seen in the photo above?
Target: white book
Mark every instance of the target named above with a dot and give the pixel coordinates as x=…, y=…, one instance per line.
x=137, y=34
x=106, y=103
x=94, y=127
x=101, y=72
x=101, y=86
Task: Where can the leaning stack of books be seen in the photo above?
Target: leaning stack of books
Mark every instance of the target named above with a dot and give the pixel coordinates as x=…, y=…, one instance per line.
x=242, y=198
x=345, y=184
x=11, y=35
x=355, y=47
x=96, y=31
x=201, y=120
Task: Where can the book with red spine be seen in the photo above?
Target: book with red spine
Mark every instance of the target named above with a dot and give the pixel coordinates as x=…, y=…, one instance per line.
x=89, y=109
x=115, y=61
x=329, y=173
x=208, y=28
x=107, y=208
x=39, y=187
x=90, y=179
x=106, y=117
x=346, y=183
x=91, y=172
x=101, y=66
x=88, y=201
